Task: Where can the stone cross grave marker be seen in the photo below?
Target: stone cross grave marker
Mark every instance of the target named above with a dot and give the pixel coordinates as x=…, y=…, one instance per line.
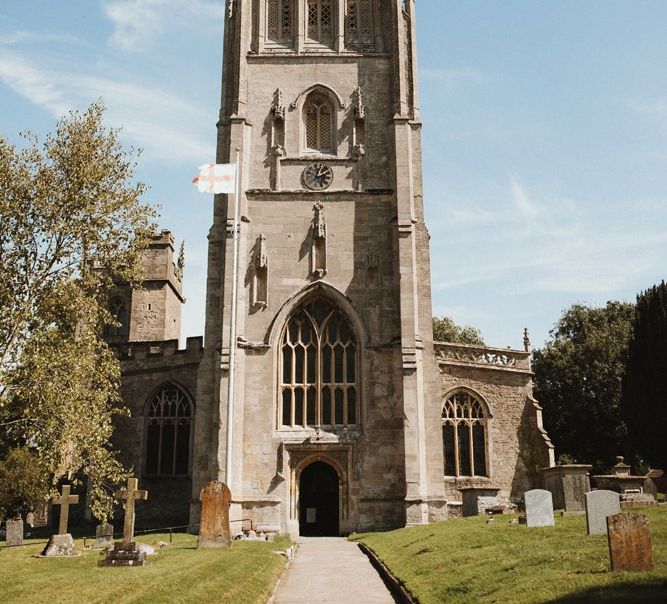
x=14, y=532
x=126, y=553
x=600, y=505
x=62, y=544
x=130, y=494
x=64, y=502
x=629, y=543
x=539, y=508
x=214, y=528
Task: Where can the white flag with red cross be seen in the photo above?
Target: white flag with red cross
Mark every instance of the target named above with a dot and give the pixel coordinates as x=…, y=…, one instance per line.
x=216, y=178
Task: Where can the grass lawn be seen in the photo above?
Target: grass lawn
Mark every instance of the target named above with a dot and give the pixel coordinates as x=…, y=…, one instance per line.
x=180, y=573
x=466, y=560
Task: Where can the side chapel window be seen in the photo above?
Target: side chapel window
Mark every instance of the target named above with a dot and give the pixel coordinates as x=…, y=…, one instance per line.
x=464, y=435
x=280, y=21
x=320, y=21
x=359, y=22
x=319, y=123
x=170, y=417
x=119, y=311
x=319, y=369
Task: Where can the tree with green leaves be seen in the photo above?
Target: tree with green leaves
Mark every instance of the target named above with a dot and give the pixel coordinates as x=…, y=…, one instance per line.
x=578, y=379
x=644, y=403
x=445, y=330
x=24, y=482
x=71, y=222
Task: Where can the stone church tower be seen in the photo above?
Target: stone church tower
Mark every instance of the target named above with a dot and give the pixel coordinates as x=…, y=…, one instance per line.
x=337, y=411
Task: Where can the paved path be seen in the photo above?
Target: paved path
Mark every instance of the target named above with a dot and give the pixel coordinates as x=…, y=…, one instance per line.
x=331, y=570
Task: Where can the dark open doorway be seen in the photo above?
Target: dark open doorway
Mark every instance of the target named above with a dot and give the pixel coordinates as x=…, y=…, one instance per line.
x=318, y=501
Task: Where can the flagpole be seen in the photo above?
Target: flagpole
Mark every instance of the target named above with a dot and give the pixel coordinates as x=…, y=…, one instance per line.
x=232, y=326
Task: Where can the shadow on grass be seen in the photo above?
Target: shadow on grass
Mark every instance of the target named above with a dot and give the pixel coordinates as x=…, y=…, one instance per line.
x=655, y=591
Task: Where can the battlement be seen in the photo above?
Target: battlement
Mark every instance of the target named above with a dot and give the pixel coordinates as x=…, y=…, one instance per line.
x=505, y=359
x=158, y=262
x=138, y=351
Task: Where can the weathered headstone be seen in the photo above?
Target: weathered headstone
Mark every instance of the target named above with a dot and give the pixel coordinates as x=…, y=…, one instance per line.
x=599, y=506
x=630, y=543
x=539, y=508
x=62, y=544
x=126, y=552
x=214, y=528
x=104, y=535
x=14, y=530
x=568, y=485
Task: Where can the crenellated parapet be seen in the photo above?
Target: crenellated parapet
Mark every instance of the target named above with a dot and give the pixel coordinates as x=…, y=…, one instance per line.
x=482, y=356
x=160, y=350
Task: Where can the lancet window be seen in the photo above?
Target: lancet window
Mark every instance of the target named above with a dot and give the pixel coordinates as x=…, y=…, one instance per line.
x=120, y=312
x=170, y=417
x=319, y=123
x=359, y=22
x=320, y=21
x=280, y=21
x=464, y=435
x=319, y=369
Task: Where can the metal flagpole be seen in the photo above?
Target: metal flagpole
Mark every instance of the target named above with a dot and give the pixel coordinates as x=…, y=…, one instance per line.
x=232, y=326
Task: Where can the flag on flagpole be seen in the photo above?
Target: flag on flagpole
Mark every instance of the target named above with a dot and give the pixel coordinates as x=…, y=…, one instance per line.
x=216, y=178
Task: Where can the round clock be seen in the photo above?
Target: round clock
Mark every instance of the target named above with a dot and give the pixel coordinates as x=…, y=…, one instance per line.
x=318, y=176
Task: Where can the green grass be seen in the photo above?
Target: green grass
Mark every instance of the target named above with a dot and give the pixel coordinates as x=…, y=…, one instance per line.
x=466, y=560
x=245, y=574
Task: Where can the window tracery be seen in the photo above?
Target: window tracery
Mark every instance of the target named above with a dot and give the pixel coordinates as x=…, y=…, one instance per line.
x=120, y=312
x=359, y=22
x=319, y=123
x=280, y=21
x=169, y=425
x=464, y=435
x=318, y=369
x=320, y=21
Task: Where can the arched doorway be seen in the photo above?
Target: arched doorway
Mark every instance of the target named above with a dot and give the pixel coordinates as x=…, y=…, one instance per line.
x=319, y=501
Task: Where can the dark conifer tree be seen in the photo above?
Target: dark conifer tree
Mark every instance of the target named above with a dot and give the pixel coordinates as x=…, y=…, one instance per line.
x=644, y=401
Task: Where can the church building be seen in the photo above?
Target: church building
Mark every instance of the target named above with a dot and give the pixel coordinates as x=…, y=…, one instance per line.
x=346, y=415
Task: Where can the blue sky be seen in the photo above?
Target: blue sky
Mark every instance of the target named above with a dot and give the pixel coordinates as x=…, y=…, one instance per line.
x=545, y=136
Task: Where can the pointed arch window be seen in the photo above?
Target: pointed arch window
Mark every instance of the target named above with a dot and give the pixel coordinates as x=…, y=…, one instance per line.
x=464, y=435
x=320, y=21
x=280, y=21
x=319, y=369
x=119, y=310
x=359, y=22
x=319, y=123
x=170, y=417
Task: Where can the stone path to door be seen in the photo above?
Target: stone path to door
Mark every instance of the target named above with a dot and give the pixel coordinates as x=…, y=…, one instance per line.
x=331, y=569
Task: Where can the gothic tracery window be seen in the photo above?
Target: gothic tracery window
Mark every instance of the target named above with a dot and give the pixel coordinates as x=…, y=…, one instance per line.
x=170, y=418
x=120, y=312
x=280, y=20
x=320, y=21
x=359, y=22
x=464, y=435
x=319, y=369
x=319, y=123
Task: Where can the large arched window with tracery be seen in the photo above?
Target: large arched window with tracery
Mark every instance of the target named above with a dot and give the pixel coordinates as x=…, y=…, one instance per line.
x=319, y=370
x=170, y=416
x=464, y=435
x=280, y=21
x=319, y=123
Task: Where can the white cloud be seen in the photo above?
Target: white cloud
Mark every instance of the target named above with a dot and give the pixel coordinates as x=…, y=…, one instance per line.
x=138, y=22
x=21, y=36
x=165, y=126
x=522, y=201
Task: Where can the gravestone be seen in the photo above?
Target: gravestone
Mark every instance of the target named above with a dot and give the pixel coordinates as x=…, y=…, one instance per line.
x=104, y=535
x=539, y=508
x=14, y=532
x=568, y=485
x=629, y=543
x=126, y=552
x=62, y=544
x=214, y=528
x=600, y=505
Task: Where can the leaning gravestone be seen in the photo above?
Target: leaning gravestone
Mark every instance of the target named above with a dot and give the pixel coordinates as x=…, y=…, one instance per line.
x=126, y=553
x=14, y=530
x=600, y=505
x=104, y=535
x=214, y=528
x=630, y=543
x=539, y=508
x=62, y=544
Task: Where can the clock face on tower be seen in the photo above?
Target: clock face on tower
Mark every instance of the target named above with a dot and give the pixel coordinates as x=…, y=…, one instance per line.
x=318, y=176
